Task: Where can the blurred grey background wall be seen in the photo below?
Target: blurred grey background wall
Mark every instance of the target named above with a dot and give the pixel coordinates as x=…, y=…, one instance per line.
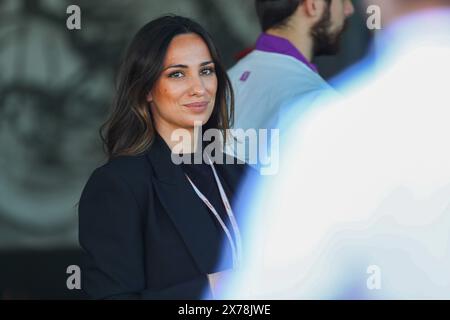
x=55, y=89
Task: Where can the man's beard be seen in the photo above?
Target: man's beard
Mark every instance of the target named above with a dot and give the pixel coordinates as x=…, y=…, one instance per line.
x=324, y=41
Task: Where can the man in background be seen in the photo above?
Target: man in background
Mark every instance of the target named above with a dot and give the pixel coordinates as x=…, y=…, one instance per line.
x=279, y=70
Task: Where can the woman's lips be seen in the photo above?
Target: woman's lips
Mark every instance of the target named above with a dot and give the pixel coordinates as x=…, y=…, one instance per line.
x=197, y=106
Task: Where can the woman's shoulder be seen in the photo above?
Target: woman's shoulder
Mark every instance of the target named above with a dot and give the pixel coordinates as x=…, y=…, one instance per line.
x=132, y=167
x=124, y=172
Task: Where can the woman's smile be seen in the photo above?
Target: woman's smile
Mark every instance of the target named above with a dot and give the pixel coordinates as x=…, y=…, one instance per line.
x=197, y=106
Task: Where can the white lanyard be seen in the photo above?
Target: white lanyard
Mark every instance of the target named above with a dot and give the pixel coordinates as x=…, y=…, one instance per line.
x=235, y=248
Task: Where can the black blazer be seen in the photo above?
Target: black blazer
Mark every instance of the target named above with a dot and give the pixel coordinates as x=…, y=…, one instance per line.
x=144, y=231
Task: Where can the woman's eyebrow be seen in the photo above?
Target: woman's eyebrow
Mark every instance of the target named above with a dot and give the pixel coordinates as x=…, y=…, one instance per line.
x=183, y=66
x=205, y=63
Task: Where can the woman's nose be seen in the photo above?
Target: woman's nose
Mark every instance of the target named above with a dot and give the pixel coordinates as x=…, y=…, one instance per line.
x=197, y=86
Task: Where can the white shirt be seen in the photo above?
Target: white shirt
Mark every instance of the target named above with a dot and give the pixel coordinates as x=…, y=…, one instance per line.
x=264, y=83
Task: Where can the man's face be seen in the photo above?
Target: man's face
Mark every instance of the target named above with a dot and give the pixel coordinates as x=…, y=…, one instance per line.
x=327, y=32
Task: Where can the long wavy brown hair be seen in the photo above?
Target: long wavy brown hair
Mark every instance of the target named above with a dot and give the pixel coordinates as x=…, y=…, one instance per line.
x=129, y=129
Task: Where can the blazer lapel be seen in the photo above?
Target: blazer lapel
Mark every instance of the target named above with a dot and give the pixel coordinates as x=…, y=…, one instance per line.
x=184, y=207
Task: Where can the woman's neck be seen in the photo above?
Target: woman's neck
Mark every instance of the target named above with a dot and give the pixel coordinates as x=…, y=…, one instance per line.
x=180, y=140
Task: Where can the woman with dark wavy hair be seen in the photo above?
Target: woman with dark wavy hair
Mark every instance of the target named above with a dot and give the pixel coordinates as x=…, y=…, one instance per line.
x=151, y=228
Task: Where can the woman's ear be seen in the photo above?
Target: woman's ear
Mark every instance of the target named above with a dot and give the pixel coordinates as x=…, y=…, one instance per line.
x=149, y=97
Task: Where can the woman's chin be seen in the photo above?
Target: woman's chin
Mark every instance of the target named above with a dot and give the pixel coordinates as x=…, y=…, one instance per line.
x=197, y=119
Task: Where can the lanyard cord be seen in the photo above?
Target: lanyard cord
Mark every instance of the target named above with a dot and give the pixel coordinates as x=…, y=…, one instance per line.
x=235, y=248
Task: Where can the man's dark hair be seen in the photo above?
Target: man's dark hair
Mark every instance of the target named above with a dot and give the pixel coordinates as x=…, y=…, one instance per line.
x=275, y=13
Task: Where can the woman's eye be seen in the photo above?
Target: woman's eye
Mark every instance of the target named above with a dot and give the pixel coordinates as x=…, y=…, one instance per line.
x=176, y=74
x=207, y=71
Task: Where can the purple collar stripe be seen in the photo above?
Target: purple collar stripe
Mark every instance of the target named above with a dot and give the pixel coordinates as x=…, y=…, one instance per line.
x=270, y=43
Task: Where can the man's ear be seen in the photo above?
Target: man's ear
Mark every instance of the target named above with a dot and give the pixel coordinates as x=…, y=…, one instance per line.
x=314, y=8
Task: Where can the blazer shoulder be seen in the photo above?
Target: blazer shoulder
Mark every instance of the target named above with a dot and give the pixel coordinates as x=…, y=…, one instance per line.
x=131, y=172
x=130, y=167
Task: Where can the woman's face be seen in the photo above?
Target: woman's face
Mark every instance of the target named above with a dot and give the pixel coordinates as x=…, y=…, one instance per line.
x=186, y=89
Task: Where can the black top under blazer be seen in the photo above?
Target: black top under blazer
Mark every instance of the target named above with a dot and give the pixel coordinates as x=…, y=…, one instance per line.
x=145, y=232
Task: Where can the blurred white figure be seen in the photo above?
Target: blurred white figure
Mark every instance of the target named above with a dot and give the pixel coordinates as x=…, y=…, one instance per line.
x=361, y=206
